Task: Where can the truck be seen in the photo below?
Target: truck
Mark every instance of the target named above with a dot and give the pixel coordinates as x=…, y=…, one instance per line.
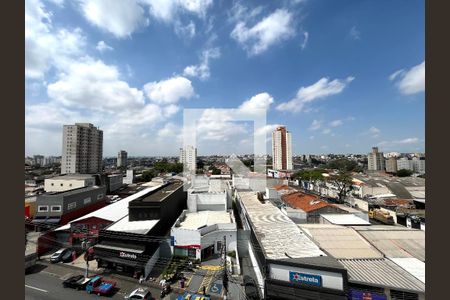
x=381, y=216
x=97, y=285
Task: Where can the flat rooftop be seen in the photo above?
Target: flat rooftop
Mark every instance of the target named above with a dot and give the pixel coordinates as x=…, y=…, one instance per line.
x=279, y=237
x=138, y=227
x=74, y=191
x=344, y=219
x=160, y=194
x=72, y=177
x=195, y=220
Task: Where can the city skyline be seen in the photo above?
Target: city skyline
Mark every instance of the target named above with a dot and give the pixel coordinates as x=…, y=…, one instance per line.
x=337, y=76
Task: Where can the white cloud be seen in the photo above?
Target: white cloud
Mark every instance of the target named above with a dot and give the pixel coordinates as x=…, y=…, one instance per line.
x=410, y=81
x=305, y=40
x=170, y=131
x=169, y=91
x=321, y=89
x=259, y=101
x=336, y=123
x=315, y=125
x=326, y=131
x=271, y=30
x=201, y=70
x=185, y=31
x=373, y=131
x=119, y=17
x=267, y=129
x=311, y=137
x=46, y=46
x=406, y=141
x=166, y=10
x=102, y=46
x=91, y=84
x=354, y=33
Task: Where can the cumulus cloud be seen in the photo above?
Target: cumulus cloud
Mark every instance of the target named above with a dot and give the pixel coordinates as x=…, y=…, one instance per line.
x=166, y=10
x=410, y=81
x=259, y=101
x=202, y=70
x=102, y=46
x=315, y=125
x=169, y=91
x=305, y=40
x=402, y=142
x=321, y=89
x=271, y=30
x=119, y=17
x=185, y=31
x=336, y=123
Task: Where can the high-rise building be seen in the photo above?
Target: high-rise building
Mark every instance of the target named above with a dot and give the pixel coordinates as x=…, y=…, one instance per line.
x=404, y=164
x=391, y=165
x=188, y=157
x=82, y=149
x=418, y=165
x=282, y=149
x=122, y=158
x=375, y=160
x=38, y=160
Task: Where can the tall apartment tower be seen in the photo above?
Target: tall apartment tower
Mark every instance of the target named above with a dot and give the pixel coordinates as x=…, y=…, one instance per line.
x=188, y=157
x=391, y=165
x=282, y=149
x=82, y=149
x=122, y=158
x=376, y=160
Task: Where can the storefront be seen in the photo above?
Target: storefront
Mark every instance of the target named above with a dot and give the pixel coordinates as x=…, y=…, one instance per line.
x=122, y=259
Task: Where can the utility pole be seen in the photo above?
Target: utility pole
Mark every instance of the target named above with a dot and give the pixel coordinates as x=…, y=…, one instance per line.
x=225, y=274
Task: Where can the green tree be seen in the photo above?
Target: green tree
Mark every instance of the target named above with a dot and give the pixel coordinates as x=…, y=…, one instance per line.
x=343, y=183
x=147, y=175
x=404, y=173
x=343, y=164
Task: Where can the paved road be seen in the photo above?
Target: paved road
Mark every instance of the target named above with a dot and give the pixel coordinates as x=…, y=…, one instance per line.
x=47, y=286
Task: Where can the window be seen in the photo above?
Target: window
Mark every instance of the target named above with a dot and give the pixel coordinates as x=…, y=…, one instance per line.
x=71, y=205
x=70, y=184
x=43, y=208
x=87, y=200
x=100, y=196
x=53, y=184
x=61, y=184
x=56, y=207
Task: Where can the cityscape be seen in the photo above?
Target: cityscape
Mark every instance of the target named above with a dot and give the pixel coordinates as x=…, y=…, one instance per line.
x=182, y=189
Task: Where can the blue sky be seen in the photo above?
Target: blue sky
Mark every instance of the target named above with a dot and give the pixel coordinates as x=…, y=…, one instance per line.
x=343, y=76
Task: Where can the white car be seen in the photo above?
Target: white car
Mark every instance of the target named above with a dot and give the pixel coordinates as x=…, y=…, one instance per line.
x=139, y=294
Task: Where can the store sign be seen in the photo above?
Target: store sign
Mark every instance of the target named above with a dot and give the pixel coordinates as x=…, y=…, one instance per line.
x=365, y=295
x=127, y=255
x=309, y=279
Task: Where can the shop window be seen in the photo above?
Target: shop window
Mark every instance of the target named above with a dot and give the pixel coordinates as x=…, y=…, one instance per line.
x=43, y=208
x=181, y=251
x=56, y=208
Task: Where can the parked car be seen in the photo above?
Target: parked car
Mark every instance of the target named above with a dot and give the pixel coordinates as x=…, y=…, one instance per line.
x=64, y=255
x=251, y=289
x=78, y=282
x=97, y=285
x=139, y=294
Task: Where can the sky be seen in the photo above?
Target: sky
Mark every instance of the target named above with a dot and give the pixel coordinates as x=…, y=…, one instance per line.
x=342, y=76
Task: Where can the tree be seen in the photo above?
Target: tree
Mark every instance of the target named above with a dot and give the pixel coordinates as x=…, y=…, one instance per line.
x=343, y=164
x=215, y=171
x=343, y=183
x=404, y=173
x=147, y=175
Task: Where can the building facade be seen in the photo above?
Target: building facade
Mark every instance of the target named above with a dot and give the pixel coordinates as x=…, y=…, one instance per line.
x=418, y=165
x=391, y=165
x=404, y=164
x=282, y=149
x=122, y=158
x=188, y=157
x=82, y=149
x=68, y=182
x=375, y=160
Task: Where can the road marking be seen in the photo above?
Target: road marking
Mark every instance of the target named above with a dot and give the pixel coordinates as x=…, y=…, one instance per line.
x=35, y=288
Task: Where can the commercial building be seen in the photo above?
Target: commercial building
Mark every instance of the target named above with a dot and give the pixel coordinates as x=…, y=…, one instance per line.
x=68, y=182
x=122, y=158
x=62, y=207
x=288, y=264
x=188, y=157
x=82, y=149
x=391, y=165
x=282, y=149
x=375, y=160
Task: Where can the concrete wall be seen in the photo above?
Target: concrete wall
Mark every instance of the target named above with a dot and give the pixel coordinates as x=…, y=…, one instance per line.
x=61, y=185
x=115, y=182
x=207, y=201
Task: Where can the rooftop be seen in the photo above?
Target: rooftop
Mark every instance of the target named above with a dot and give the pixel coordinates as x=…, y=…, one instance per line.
x=412, y=265
x=73, y=191
x=196, y=220
x=160, y=193
x=305, y=202
x=138, y=227
x=72, y=177
x=344, y=219
x=278, y=235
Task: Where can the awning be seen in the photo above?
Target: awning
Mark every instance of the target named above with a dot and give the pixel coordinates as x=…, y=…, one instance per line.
x=121, y=261
x=110, y=247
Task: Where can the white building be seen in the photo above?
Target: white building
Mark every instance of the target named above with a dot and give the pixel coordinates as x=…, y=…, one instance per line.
x=404, y=164
x=418, y=165
x=391, y=165
x=282, y=149
x=122, y=158
x=68, y=182
x=82, y=149
x=375, y=160
x=188, y=157
x=129, y=179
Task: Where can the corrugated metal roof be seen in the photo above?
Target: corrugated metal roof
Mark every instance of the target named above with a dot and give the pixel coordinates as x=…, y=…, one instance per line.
x=340, y=242
x=381, y=272
x=414, y=266
x=396, y=241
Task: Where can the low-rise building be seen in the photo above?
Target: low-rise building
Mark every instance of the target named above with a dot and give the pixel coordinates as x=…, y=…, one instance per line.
x=404, y=164
x=68, y=182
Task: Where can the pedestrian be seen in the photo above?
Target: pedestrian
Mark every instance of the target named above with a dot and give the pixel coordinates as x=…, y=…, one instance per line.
x=204, y=290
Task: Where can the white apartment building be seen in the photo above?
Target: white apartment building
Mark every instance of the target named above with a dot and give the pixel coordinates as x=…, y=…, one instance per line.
x=82, y=149
x=376, y=160
x=418, y=165
x=391, y=165
x=188, y=157
x=122, y=158
x=282, y=149
x=404, y=164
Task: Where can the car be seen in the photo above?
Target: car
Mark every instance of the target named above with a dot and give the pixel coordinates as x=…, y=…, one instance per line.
x=97, y=285
x=251, y=289
x=139, y=294
x=64, y=255
x=78, y=282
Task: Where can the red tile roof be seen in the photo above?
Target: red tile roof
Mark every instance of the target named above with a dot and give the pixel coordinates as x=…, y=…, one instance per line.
x=281, y=187
x=305, y=202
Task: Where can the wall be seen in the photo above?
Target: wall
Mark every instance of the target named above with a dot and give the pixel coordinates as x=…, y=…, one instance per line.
x=370, y=190
x=330, y=280
x=151, y=263
x=361, y=204
x=115, y=182
x=61, y=185
x=207, y=201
